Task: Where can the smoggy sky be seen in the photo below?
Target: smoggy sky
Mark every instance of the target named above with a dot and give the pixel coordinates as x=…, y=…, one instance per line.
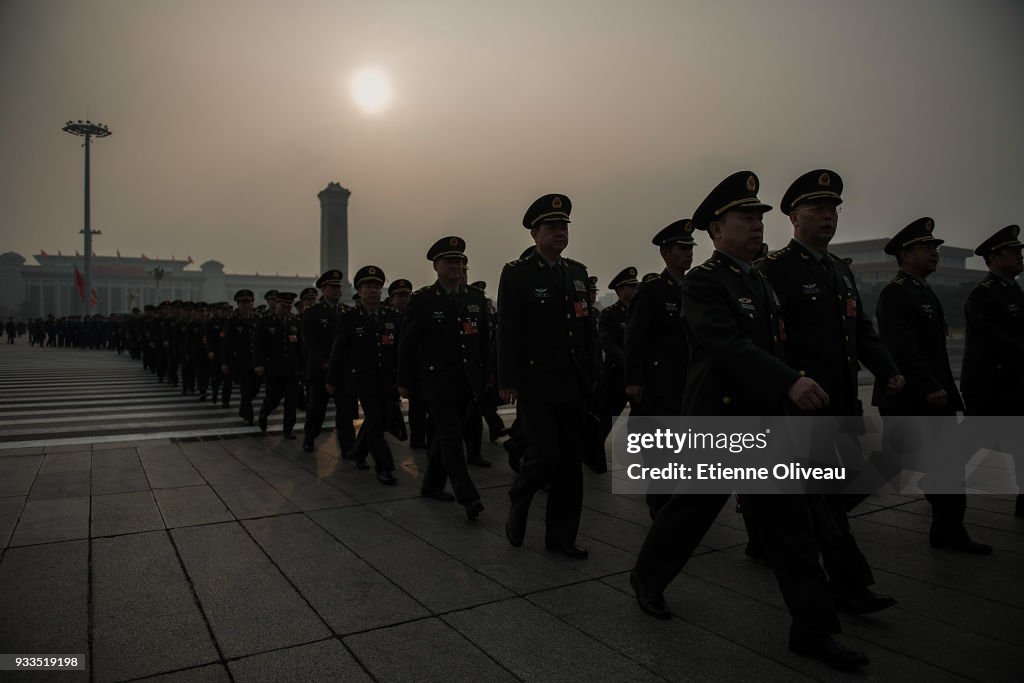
x=229, y=116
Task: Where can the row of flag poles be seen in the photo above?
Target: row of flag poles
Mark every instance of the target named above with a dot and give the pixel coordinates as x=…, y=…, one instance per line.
x=144, y=257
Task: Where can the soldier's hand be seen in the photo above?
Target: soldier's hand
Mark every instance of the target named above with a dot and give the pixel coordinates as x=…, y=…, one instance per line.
x=895, y=385
x=329, y=388
x=323, y=366
x=807, y=394
x=635, y=393
x=403, y=392
x=210, y=355
x=937, y=398
x=225, y=370
x=508, y=395
x=258, y=371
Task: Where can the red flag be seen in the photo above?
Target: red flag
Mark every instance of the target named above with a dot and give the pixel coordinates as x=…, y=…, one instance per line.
x=80, y=284
x=118, y=253
x=43, y=253
x=190, y=260
x=94, y=299
x=58, y=253
x=145, y=258
x=76, y=253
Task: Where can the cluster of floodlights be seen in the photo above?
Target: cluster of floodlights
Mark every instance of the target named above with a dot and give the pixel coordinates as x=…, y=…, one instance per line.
x=86, y=128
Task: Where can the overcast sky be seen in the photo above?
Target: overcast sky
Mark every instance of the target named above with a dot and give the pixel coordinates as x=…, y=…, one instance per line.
x=230, y=116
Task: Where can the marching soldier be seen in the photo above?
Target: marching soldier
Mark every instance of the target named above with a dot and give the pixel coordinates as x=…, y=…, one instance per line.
x=319, y=328
x=828, y=336
x=236, y=355
x=215, y=332
x=444, y=350
x=364, y=359
x=611, y=328
x=548, y=361
x=736, y=368
x=655, y=339
x=992, y=378
x=198, y=349
x=911, y=321
x=276, y=351
x=399, y=293
x=489, y=402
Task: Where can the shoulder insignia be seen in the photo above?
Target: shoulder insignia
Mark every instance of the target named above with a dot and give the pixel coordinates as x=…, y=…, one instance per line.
x=987, y=283
x=774, y=255
x=518, y=262
x=710, y=265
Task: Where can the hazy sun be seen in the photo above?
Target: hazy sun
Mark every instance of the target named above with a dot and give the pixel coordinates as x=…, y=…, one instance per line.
x=371, y=90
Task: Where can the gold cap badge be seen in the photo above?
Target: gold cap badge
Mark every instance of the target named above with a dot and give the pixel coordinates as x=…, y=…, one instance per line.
x=752, y=184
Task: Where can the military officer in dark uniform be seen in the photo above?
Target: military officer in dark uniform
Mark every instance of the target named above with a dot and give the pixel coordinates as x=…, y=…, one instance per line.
x=444, y=350
x=276, y=350
x=655, y=339
x=319, y=328
x=548, y=361
x=236, y=355
x=489, y=403
x=736, y=368
x=399, y=293
x=611, y=329
x=364, y=359
x=828, y=336
x=912, y=322
x=216, y=327
x=992, y=376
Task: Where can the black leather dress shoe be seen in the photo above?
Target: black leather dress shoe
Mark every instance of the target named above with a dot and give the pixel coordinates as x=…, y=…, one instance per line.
x=289, y=436
x=863, y=602
x=361, y=464
x=473, y=510
x=479, y=462
x=307, y=445
x=386, y=477
x=654, y=605
x=828, y=650
x=438, y=495
x=263, y=423
x=515, y=525
x=570, y=550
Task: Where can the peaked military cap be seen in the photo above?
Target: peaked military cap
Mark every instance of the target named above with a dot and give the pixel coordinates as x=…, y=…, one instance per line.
x=1007, y=238
x=368, y=274
x=735, y=193
x=592, y=284
x=447, y=246
x=176, y=302
x=200, y=305
x=398, y=286
x=244, y=294
x=649, y=276
x=679, y=232
x=479, y=284
x=286, y=297
x=918, y=232
x=550, y=207
x=818, y=184
x=626, y=276
x=309, y=293
x=331, y=277
x=269, y=294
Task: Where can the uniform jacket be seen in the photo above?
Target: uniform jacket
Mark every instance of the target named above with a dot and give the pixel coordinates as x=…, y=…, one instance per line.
x=611, y=329
x=911, y=321
x=276, y=345
x=547, y=341
x=736, y=343
x=445, y=342
x=656, y=350
x=364, y=356
x=828, y=334
x=993, y=366
x=319, y=327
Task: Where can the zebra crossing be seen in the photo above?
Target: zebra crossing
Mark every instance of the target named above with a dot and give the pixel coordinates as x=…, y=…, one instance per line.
x=58, y=397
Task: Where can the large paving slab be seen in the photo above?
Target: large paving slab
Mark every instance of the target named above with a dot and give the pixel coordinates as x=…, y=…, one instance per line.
x=250, y=606
x=51, y=520
x=190, y=506
x=142, y=602
x=326, y=660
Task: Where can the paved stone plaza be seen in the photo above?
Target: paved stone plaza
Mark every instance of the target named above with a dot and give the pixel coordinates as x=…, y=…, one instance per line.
x=240, y=557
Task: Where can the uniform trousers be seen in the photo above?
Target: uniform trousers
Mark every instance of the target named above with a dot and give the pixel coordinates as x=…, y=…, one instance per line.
x=554, y=434
x=783, y=524
x=281, y=387
x=445, y=458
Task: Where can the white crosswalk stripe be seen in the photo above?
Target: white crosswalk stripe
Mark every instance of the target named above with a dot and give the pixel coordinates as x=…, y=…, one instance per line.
x=56, y=397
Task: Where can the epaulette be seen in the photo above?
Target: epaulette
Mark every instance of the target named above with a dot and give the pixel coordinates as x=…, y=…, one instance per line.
x=424, y=290
x=518, y=262
x=710, y=265
x=774, y=255
x=899, y=280
x=987, y=283
x=575, y=263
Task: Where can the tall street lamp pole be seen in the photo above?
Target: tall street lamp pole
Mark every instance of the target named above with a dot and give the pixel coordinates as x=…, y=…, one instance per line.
x=88, y=130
